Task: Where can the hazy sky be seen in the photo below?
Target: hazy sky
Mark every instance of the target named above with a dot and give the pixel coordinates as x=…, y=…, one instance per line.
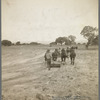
x=45, y=20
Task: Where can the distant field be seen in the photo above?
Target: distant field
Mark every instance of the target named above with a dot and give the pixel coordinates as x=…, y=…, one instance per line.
x=24, y=74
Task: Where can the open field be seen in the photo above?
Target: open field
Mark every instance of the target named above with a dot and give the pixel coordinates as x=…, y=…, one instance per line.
x=25, y=76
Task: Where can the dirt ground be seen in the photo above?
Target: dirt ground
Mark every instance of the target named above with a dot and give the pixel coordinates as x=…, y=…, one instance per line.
x=26, y=77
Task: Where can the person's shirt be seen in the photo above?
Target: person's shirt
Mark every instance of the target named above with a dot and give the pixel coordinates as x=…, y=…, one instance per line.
x=72, y=50
x=67, y=50
x=63, y=52
x=48, y=55
x=55, y=54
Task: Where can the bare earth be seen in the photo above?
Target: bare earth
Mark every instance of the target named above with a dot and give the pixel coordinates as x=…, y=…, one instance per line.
x=25, y=76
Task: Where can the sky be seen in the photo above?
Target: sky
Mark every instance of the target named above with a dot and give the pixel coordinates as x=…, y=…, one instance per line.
x=45, y=20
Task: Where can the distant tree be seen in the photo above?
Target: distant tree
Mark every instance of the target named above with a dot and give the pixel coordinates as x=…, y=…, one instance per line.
x=95, y=40
x=78, y=43
x=52, y=43
x=60, y=40
x=67, y=41
x=34, y=43
x=6, y=42
x=89, y=33
x=72, y=39
x=63, y=40
x=84, y=43
x=18, y=43
x=24, y=44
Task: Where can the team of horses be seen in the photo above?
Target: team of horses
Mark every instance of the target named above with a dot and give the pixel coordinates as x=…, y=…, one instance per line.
x=63, y=54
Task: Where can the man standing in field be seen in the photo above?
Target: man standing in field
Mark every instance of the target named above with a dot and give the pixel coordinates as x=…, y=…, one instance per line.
x=48, y=57
x=63, y=55
x=55, y=55
x=72, y=55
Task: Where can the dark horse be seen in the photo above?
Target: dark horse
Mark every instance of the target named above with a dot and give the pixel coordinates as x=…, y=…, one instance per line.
x=72, y=55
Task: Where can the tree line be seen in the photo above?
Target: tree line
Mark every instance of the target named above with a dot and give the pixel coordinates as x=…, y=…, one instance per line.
x=9, y=43
x=64, y=40
x=88, y=32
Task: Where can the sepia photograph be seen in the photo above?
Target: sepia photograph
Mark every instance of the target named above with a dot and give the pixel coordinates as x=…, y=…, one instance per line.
x=49, y=50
